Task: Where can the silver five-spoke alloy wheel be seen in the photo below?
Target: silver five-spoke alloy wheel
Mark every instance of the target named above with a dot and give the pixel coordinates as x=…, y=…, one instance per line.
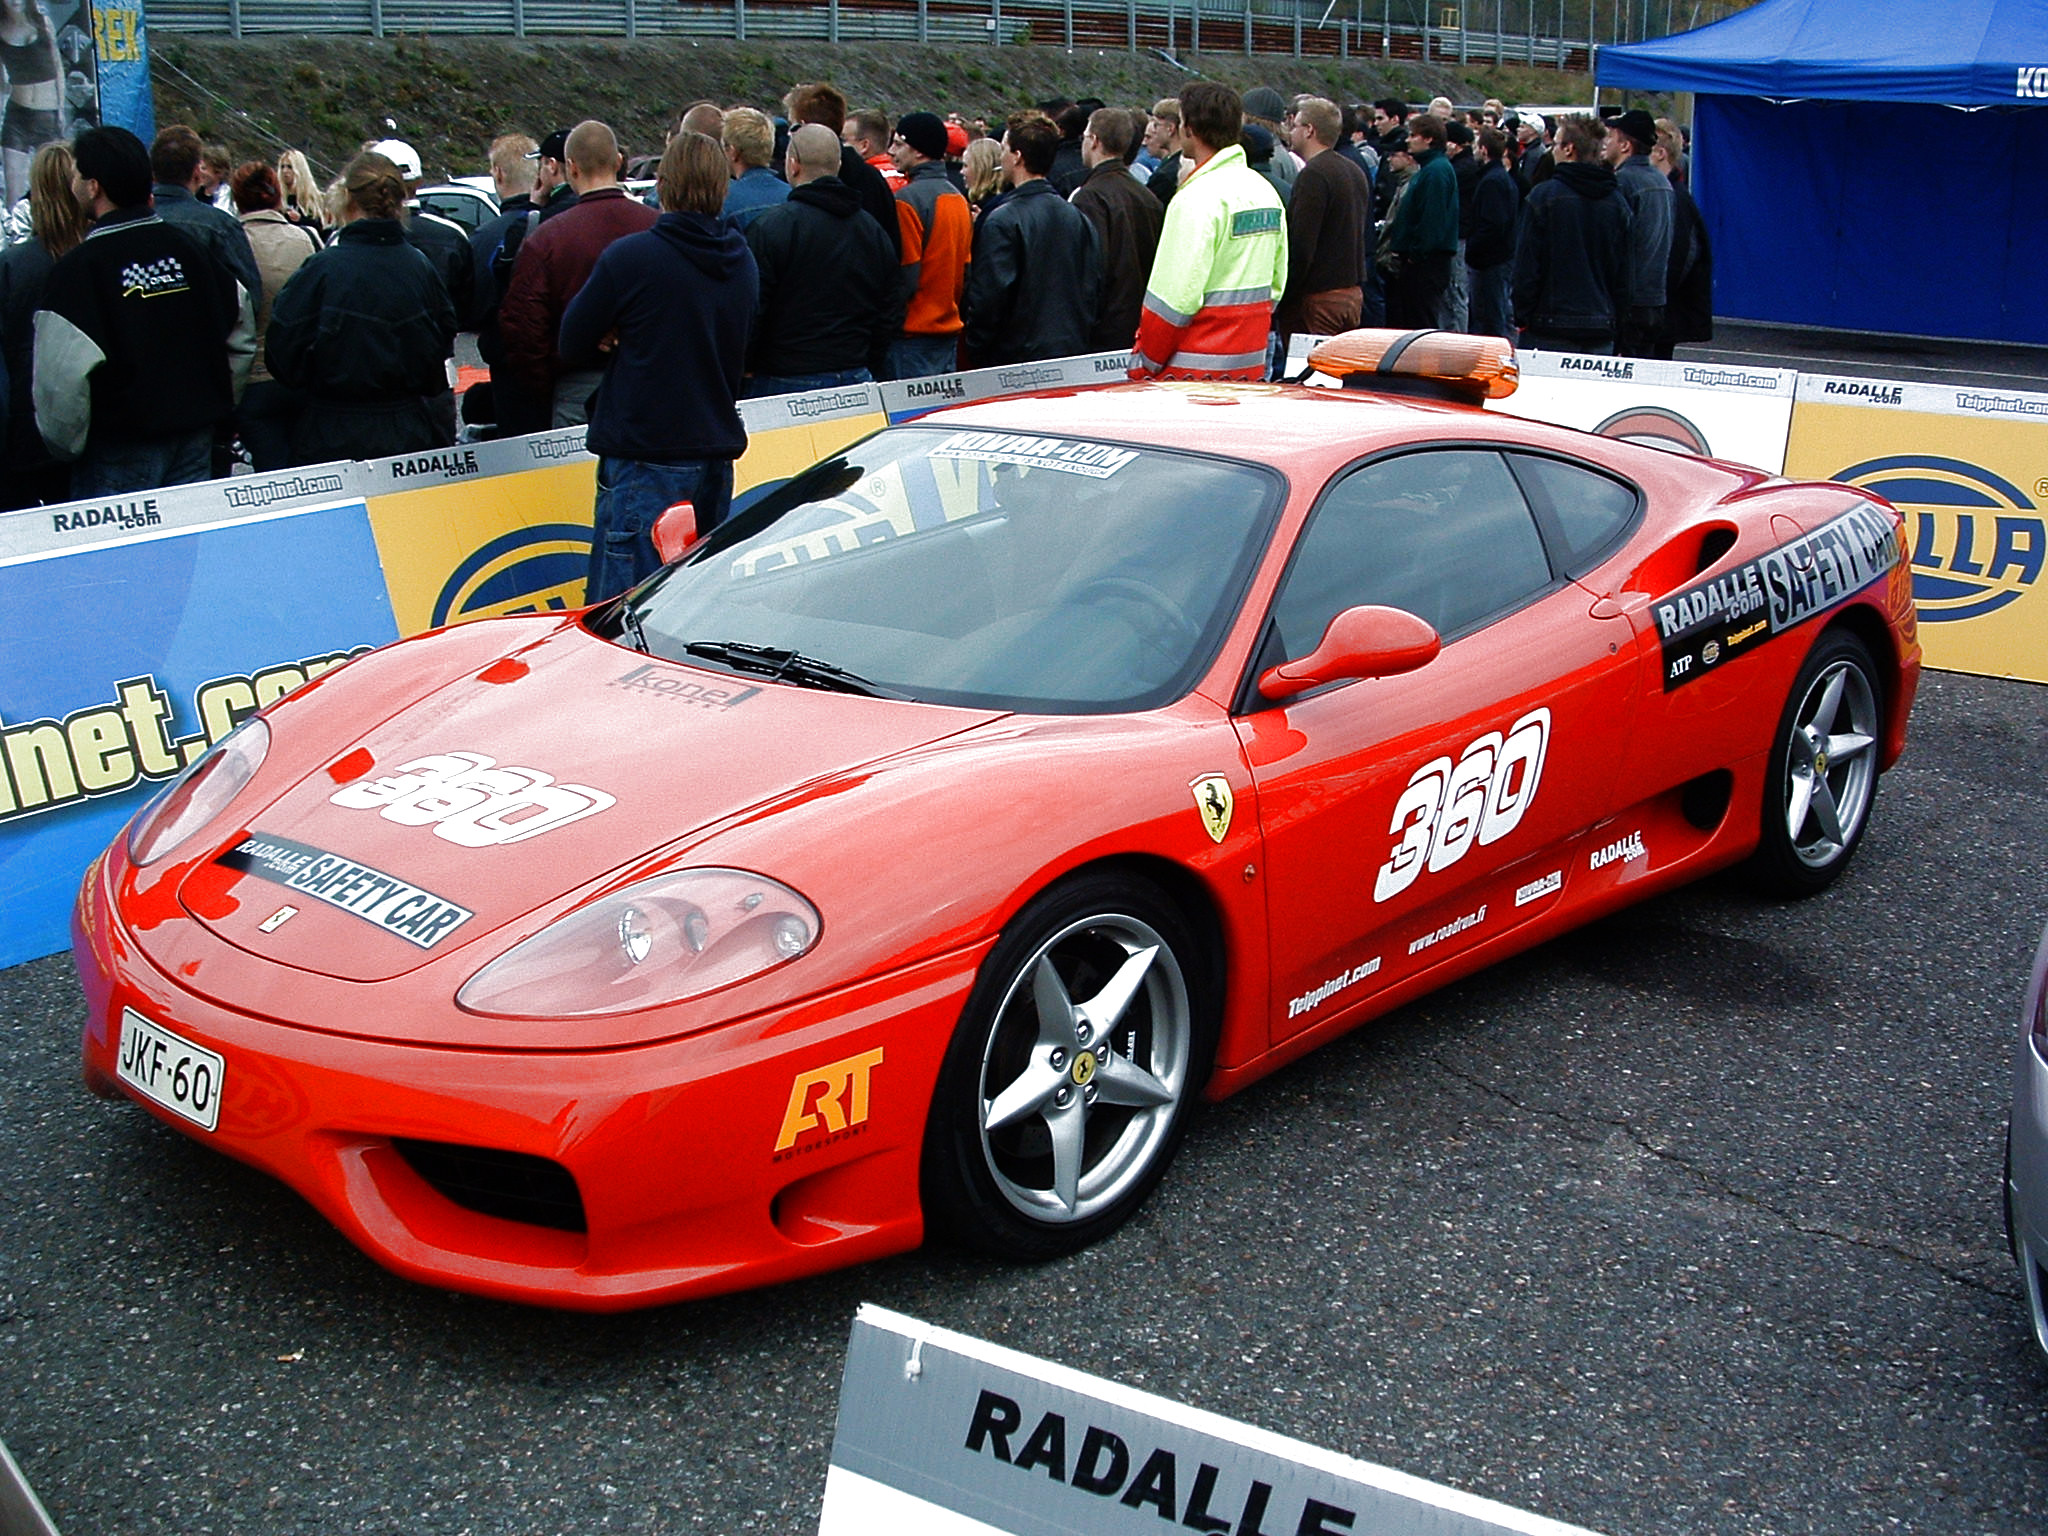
x=1084, y=1068
x=1830, y=763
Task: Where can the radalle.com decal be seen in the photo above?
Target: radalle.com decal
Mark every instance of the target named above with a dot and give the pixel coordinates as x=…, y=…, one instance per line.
x=1709, y=625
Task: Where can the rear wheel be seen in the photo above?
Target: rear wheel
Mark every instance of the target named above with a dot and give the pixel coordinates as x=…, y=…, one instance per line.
x=1068, y=1082
x=1823, y=769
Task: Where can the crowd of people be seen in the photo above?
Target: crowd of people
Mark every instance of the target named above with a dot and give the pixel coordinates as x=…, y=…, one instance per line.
x=165, y=313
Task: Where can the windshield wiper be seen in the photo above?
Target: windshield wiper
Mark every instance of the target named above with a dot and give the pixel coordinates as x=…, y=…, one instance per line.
x=629, y=621
x=788, y=667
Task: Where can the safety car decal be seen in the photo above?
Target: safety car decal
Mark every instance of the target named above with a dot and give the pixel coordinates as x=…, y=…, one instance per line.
x=1712, y=623
x=397, y=906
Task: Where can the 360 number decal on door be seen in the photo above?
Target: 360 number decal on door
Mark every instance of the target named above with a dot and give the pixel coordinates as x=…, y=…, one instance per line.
x=1447, y=807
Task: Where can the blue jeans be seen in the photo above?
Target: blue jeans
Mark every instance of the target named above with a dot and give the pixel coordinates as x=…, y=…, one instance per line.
x=803, y=383
x=919, y=357
x=631, y=494
x=1492, y=304
x=109, y=468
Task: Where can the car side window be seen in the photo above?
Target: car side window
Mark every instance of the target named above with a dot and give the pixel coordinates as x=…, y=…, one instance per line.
x=1445, y=534
x=1588, y=511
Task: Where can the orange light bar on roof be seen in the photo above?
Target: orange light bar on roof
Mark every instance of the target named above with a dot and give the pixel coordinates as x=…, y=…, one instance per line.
x=1471, y=367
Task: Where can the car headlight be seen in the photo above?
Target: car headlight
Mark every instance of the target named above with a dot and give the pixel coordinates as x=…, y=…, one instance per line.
x=199, y=794
x=661, y=940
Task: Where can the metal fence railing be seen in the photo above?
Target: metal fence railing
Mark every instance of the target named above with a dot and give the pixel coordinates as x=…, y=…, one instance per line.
x=1555, y=33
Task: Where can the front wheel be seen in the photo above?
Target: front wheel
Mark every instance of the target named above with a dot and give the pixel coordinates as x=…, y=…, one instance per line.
x=1068, y=1081
x=1823, y=769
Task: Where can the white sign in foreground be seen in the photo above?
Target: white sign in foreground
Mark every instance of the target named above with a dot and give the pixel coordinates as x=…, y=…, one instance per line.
x=21, y=1512
x=943, y=1435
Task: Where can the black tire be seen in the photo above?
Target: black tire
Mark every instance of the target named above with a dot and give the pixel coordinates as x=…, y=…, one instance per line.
x=1040, y=1139
x=1823, y=770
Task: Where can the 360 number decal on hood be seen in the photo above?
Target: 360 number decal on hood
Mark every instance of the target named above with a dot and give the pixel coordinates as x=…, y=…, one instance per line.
x=471, y=801
x=1448, y=807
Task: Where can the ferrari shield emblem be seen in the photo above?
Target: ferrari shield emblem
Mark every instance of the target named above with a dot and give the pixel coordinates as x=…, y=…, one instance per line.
x=1213, y=800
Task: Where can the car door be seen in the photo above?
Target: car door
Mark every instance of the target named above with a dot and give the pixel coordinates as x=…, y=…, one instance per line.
x=1409, y=818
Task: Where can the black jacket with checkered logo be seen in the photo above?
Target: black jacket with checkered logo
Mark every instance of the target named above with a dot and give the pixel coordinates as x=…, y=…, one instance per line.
x=142, y=336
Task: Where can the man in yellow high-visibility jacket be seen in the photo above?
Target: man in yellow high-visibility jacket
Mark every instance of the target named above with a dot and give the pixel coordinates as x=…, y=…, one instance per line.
x=1222, y=261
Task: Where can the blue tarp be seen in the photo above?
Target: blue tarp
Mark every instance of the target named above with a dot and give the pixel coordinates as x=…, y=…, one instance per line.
x=1962, y=53
x=1829, y=213
x=1868, y=164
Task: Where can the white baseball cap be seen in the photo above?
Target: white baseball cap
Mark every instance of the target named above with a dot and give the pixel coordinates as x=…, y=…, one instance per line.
x=400, y=154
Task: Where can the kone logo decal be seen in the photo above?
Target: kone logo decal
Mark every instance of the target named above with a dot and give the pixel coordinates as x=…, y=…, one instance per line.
x=1978, y=541
x=529, y=570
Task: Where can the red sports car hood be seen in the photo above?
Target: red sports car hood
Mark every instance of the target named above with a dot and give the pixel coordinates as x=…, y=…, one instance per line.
x=514, y=786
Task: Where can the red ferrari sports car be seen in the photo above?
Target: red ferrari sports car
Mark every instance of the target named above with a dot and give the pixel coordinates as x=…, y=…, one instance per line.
x=919, y=847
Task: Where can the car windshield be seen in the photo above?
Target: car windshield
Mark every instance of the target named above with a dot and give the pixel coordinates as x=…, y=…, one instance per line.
x=986, y=568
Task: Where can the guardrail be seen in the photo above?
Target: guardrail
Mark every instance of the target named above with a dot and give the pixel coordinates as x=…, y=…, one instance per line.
x=1522, y=31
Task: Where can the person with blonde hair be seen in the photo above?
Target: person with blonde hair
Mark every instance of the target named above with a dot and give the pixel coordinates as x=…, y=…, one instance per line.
x=668, y=312
x=365, y=330
x=982, y=167
x=304, y=202
x=28, y=474
x=749, y=140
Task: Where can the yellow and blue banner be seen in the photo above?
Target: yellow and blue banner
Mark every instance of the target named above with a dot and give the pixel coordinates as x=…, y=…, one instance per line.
x=1963, y=464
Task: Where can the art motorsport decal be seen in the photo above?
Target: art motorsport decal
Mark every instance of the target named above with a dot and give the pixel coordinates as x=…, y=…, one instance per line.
x=832, y=1101
x=384, y=901
x=1710, y=624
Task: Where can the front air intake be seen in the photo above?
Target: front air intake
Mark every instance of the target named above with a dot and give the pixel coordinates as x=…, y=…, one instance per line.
x=515, y=1186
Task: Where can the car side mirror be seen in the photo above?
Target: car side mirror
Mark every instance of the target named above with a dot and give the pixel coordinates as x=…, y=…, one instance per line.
x=1360, y=642
x=675, y=531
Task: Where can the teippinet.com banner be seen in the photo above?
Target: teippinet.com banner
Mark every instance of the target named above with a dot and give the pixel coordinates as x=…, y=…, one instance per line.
x=949, y=1436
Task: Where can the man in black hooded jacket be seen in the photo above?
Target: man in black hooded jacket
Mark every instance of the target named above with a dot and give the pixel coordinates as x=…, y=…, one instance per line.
x=832, y=298
x=1571, y=250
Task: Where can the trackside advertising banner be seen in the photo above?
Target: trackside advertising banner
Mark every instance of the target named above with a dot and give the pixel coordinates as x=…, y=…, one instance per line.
x=1743, y=414
x=484, y=529
x=1966, y=467
x=913, y=397
x=789, y=433
x=946, y=1435
x=137, y=644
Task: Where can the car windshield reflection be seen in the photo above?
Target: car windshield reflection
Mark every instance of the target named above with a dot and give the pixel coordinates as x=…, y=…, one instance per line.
x=976, y=567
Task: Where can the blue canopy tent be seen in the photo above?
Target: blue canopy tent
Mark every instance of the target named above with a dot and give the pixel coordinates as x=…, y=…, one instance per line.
x=1868, y=164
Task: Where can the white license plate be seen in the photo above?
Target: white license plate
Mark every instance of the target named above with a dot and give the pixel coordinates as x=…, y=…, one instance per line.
x=170, y=1070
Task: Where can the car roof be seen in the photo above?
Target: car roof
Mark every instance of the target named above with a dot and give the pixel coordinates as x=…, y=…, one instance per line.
x=1300, y=430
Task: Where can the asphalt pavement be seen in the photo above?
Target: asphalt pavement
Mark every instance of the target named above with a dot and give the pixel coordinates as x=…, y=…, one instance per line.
x=1685, y=1223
